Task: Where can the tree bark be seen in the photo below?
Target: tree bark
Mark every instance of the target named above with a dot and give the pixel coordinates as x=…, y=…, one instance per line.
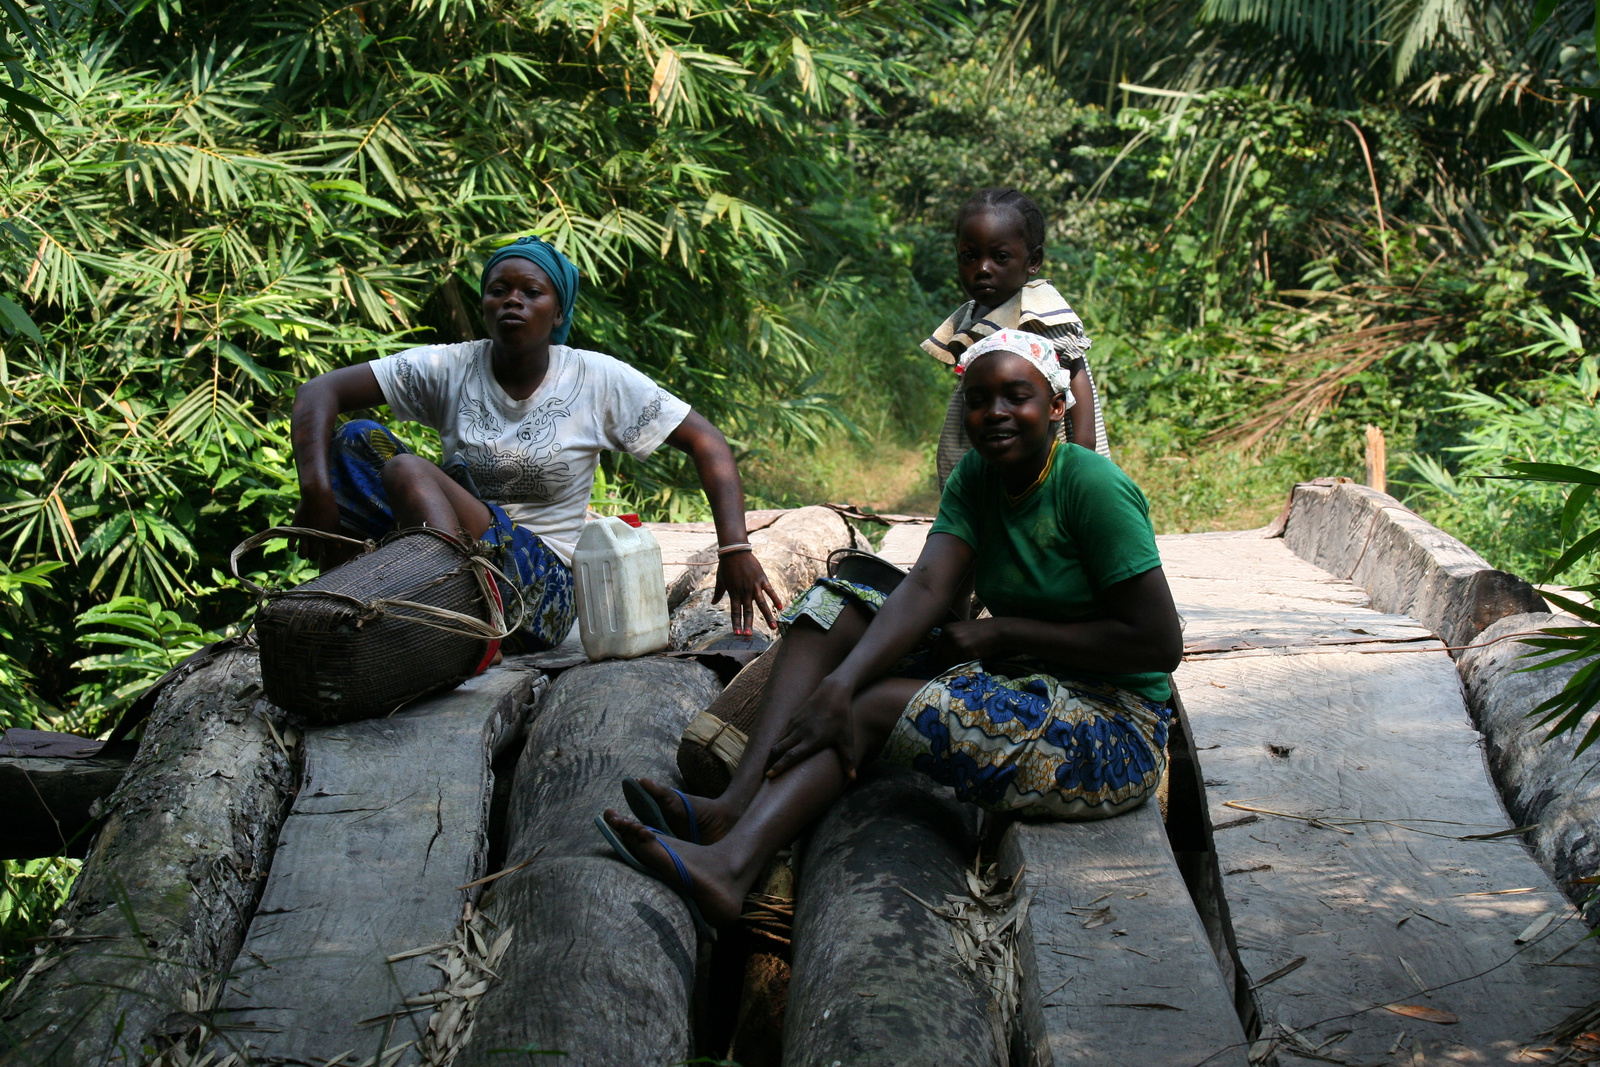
x=875, y=980
x=602, y=963
x=793, y=550
x=163, y=899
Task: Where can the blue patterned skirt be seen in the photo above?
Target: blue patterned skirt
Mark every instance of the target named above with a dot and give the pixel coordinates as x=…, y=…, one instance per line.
x=1011, y=735
x=356, y=457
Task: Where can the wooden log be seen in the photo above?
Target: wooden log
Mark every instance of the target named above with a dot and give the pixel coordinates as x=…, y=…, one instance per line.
x=390, y=822
x=603, y=960
x=793, y=550
x=1543, y=783
x=1405, y=564
x=172, y=878
x=52, y=787
x=1117, y=965
x=875, y=977
x=1350, y=834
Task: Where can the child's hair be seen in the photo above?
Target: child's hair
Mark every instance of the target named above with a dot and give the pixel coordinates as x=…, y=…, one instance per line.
x=996, y=199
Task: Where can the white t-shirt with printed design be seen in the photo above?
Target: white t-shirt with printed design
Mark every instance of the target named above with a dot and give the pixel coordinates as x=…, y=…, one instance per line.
x=536, y=457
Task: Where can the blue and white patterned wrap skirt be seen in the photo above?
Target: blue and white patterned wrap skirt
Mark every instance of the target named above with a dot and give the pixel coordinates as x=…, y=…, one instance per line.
x=356, y=457
x=1010, y=735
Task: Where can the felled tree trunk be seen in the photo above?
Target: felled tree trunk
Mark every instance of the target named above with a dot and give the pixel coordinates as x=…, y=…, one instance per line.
x=602, y=962
x=875, y=980
x=163, y=900
x=793, y=550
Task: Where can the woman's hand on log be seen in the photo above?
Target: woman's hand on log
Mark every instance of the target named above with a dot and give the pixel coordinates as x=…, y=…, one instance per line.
x=741, y=576
x=824, y=721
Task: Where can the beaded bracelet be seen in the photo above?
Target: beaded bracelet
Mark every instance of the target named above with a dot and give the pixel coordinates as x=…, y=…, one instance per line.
x=742, y=546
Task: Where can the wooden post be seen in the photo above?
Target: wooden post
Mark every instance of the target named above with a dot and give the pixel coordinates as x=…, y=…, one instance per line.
x=1377, y=460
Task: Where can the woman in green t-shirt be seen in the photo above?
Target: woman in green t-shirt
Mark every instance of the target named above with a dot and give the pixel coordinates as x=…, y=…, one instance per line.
x=1053, y=707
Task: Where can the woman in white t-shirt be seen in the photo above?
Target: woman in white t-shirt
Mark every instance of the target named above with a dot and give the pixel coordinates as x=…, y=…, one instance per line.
x=523, y=419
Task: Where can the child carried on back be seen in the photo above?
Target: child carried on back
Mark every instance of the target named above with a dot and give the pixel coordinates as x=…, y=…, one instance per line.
x=999, y=250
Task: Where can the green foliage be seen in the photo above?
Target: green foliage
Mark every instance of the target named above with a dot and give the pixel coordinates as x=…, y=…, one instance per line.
x=237, y=199
x=1516, y=525
x=1557, y=646
x=151, y=641
x=31, y=892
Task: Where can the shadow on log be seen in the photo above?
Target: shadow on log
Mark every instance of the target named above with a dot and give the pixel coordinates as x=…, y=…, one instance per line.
x=876, y=980
x=602, y=964
x=52, y=787
x=161, y=904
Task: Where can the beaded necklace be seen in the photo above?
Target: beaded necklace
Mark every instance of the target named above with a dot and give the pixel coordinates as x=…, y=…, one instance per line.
x=1013, y=501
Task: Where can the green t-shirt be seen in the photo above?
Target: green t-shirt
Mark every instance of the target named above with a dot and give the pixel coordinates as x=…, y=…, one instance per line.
x=1049, y=557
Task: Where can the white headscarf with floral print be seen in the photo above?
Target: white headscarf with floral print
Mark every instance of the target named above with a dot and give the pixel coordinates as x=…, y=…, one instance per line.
x=1030, y=346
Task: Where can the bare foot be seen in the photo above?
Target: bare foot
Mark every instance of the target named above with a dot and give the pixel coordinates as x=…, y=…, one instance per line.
x=713, y=817
x=719, y=898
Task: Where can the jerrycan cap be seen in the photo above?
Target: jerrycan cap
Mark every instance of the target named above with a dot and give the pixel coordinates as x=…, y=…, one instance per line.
x=631, y=520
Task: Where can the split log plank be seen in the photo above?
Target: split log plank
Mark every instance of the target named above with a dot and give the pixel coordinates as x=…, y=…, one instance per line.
x=1135, y=984
x=391, y=819
x=602, y=963
x=51, y=801
x=163, y=900
x=1404, y=563
x=1543, y=782
x=1242, y=589
x=1381, y=737
x=902, y=544
x=875, y=979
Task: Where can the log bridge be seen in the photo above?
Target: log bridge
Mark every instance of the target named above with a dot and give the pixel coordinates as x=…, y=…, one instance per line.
x=1361, y=855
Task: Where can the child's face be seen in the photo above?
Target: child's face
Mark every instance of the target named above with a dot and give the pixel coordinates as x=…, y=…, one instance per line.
x=992, y=255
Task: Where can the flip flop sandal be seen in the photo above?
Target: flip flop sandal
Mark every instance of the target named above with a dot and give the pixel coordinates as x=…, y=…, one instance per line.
x=685, y=886
x=647, y=811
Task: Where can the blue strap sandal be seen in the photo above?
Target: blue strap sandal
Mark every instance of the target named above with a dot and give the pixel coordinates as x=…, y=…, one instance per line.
x=647, y=811
x=685, y=886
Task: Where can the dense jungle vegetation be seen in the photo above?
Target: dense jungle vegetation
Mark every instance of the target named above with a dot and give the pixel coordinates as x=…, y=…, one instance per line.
x=1282, y=220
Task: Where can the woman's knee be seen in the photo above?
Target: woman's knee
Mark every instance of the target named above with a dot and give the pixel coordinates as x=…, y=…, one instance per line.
x=403, y=472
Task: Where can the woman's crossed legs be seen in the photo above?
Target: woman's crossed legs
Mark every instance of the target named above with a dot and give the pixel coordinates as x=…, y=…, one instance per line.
x=757, y=816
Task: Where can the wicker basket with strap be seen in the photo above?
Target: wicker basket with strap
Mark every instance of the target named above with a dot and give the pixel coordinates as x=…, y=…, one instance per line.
x=419, y=613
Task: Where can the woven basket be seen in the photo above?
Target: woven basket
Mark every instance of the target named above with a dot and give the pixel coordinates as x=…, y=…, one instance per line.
x=715, y=740
x=415, y=615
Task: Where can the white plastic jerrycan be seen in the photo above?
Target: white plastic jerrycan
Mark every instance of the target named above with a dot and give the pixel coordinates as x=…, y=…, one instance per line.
x=622, y=593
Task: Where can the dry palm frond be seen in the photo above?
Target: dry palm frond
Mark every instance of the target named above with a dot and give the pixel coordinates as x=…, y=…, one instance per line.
x=1308, y=395
x=983, y=928
x=468, y=964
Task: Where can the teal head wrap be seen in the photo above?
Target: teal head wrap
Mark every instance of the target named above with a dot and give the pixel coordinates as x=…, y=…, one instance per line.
x=563, y=275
